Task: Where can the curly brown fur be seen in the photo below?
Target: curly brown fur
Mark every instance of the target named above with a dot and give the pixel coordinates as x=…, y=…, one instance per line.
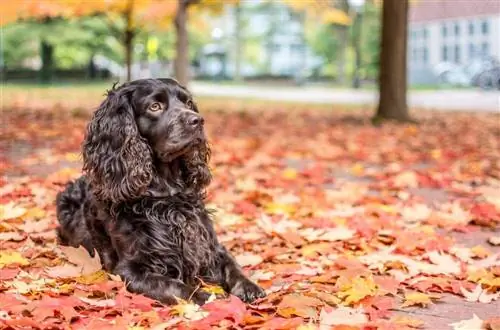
x=140, y=204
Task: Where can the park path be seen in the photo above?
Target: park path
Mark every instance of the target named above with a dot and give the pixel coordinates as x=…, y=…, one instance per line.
x=459, y=100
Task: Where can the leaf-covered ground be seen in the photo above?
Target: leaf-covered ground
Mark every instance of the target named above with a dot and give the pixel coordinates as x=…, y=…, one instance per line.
x=346, y=225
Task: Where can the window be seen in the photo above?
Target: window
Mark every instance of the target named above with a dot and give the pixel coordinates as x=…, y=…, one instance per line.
x=444, y=30
x=457, y=29
x=485, y=27
x=457, y=54
x=276, y=48
x=444, y=53
x=425, y=55
x=413, y=34
x=472, y=50
x=471, y=28
x=297, y=48
x=485, y=49
x=425, y=33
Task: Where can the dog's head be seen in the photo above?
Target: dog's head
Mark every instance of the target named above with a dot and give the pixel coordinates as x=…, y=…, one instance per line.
x=143, y=130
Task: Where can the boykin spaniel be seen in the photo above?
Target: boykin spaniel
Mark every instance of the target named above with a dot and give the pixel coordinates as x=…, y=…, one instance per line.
x=140, y=203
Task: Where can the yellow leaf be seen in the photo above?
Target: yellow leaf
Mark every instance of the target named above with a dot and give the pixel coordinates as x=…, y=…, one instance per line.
x=290, y=174
x=480, y=251
x=96, y=277
x=407, y=321
x=418, y=298
x=357, y=169
x=316, y=248
x=189, y=311
x=308, y=326
x=336, y=16
x=11, y=211
x=280, y=208
x=358, y=289
x=8, y=258
x=72, y=156
x=213, y=289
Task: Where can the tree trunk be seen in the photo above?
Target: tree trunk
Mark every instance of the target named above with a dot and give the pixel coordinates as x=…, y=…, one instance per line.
x=92, y=69
x=181, y=63
x=47, y=57
x=356, y=41
x=392, y=76
x=129, y=39
x=238, y=43
x=342, y=32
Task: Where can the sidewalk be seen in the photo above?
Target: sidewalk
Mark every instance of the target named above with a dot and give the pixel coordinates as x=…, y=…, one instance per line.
x=462, y=100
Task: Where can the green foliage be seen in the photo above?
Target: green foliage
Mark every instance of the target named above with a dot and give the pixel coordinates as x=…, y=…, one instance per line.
x=370, y=41
x=74, y=41
x=18, y=45
x=323, y=41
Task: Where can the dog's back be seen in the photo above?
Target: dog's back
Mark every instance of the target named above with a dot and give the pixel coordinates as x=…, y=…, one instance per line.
x=73, y=230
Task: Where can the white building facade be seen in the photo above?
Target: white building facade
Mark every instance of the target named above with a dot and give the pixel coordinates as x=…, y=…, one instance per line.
x=452, y=31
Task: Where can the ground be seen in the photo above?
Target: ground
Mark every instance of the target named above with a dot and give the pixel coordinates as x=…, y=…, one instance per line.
x=346, y=225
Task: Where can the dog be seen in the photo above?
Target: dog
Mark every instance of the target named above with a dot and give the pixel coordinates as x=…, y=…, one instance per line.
x=140, y=202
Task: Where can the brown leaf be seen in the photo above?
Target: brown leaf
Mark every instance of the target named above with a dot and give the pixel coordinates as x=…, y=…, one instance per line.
x=83, y=263
x=298, y=305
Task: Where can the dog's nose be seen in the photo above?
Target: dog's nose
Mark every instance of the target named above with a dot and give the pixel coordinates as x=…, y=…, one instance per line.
x=195, y=120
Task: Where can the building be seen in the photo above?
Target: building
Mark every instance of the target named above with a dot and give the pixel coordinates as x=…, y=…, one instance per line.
x=451, y=32
x=272, y=39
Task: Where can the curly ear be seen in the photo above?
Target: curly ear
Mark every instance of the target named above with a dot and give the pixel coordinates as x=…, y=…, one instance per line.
x=117, y=160
x=198, y=174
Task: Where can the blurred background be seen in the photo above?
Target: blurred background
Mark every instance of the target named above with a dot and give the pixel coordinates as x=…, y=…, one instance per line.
x=248, y=45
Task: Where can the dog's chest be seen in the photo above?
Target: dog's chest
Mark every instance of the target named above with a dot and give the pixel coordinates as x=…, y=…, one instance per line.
x=178, y=239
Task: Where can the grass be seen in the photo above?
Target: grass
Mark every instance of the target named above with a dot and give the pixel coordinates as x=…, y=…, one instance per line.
x=82, y=96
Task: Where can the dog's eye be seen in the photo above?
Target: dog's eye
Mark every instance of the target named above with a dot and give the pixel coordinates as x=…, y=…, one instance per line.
x=155, y=107
x=189, y=104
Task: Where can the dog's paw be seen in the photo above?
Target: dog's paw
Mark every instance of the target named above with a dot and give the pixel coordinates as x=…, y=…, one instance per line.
x=247, y=291
x=200, y=297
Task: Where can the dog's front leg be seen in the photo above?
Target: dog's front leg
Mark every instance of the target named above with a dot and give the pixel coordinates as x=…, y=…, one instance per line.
x=235, y=281
x=155, y=286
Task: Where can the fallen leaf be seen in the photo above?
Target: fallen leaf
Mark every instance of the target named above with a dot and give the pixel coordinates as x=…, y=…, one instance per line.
x=494, y=240
x=444, y=261
x=478, y=294
x=357, y=289
x=342, y=316
x=213, y=289
x=83, y=263
x=189, y=311
x=492, y=323
x=406, y=179
x=248, y=259
x=407, y=321
x=11, y=236
x=418, y=299
x=298, y=305
x=475, y=323
x=229, y=309
x=12, y=258
x=11, y=211
x=108, y=303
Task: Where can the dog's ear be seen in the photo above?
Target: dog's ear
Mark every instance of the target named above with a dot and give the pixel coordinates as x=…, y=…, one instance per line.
x=197, y=171
x=116, y=159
